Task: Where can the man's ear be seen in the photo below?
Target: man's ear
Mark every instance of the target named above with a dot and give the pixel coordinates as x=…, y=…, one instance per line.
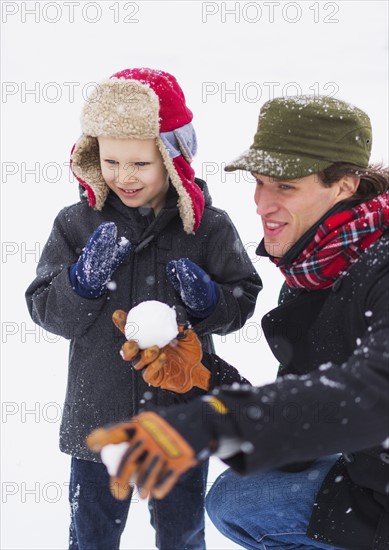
x=348, y=186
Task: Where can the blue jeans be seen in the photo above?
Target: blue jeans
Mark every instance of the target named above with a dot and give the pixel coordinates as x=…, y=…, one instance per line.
x=98, y=519
x=269, y=510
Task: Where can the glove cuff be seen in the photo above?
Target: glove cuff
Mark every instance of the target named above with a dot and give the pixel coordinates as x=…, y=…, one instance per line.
x=202, y=422
x=213, y=298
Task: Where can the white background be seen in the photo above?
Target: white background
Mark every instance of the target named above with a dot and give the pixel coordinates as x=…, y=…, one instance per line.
x=229, y=58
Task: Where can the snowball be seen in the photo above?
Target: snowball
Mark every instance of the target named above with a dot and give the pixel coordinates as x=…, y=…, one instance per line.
x=237, y=292
x=151, y=323
x=123, y=242
x=111, y=455
x=247, y=447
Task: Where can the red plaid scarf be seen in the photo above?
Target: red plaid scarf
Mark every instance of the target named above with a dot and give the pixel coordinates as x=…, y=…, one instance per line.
x=338, y=242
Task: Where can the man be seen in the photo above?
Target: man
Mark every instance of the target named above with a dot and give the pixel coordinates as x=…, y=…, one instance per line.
x=315, y=442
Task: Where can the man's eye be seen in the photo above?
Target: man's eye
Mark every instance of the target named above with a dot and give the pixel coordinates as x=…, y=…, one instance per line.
x=286, y=187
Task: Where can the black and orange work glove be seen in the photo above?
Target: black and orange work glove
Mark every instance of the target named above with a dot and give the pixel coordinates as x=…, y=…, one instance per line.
x=155, y=457
x=154, y=449
x=176, y=367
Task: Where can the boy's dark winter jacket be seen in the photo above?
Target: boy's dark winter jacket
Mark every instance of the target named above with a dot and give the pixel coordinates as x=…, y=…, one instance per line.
x=102, y=388
x=337, y=342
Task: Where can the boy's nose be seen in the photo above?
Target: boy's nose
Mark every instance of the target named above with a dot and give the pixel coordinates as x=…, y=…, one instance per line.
x=128, y=174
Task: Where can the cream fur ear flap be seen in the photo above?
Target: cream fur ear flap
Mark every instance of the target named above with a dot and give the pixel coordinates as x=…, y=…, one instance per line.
x=185, y=204
x=86, y=167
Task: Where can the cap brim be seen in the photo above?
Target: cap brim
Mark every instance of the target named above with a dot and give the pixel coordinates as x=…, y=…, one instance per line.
x=277, y=165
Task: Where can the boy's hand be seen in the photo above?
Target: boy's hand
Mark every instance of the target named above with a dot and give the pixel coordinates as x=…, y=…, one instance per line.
x=101, y=256
x=155, y=448
x=176, y=367
x=198, y=292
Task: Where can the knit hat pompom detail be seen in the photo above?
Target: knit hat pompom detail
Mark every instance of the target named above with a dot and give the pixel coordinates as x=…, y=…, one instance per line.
x=140, y=104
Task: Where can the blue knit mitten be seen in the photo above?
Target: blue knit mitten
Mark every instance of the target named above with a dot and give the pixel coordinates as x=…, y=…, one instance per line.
x=198, y=292
x=101, y=256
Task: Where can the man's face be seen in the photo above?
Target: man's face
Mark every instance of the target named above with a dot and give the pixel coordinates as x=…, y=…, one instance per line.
x=289, y=208
x=133, y=169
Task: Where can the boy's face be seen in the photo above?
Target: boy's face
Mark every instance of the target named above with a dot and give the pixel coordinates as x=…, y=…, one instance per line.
x=133, y=169
x=289, y=208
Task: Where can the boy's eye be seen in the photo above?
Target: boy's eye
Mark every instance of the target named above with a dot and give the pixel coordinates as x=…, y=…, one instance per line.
x=141, y=163
x=109, y=161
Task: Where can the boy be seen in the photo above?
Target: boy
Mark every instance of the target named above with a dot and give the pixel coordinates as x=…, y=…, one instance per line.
x=145, y=230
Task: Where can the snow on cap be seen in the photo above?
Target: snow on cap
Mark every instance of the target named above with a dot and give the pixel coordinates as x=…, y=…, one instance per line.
x=302, y=135
x=140, y=104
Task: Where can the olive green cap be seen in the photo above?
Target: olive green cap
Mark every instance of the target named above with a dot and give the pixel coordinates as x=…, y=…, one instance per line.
x=302, y=135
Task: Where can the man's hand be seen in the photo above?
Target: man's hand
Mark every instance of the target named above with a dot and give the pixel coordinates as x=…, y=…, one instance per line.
x=198, y=292
x=176, y=367
x=155, y=448
x=154, y=455
x=102, y=255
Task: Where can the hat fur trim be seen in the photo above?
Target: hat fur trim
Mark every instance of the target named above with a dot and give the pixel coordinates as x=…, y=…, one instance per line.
x=127, y=109
x=85, y=164
x=121, y=108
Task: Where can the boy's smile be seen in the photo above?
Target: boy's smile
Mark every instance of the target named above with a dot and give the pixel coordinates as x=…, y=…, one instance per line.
x=133, y=169
x=130, y=192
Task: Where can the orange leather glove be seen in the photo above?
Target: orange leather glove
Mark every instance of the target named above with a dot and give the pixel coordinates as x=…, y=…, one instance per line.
x=176, y=367
x=155, y=456
x=155, y=448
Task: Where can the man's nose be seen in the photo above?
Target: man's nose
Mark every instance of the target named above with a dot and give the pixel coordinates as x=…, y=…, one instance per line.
x=265, y=200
